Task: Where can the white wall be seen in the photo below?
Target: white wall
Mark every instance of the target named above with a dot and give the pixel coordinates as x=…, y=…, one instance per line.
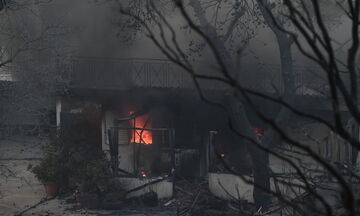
x=164, y=189
x=126, y=153
x=228, y=186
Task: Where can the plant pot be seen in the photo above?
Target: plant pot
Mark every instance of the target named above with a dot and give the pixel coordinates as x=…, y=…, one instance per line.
x=52, y=188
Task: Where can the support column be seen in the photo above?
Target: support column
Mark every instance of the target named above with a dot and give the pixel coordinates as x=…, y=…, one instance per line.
x=58, y=112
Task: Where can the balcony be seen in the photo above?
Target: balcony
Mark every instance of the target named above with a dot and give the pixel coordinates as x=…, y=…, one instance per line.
x=123, y=74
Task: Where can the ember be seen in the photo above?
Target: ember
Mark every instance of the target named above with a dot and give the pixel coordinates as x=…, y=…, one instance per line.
x=258, y=132
x=141, y=136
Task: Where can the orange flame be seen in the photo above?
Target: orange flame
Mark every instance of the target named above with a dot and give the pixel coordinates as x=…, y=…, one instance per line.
x=142, y=174
x=141, y=136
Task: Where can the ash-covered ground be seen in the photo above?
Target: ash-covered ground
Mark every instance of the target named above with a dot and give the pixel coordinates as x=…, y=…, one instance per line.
x=22, y=194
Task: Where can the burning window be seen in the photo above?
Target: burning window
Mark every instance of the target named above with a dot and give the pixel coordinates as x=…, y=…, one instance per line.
x=140, y=134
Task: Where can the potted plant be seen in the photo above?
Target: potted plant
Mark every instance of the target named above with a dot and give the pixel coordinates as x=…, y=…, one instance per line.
x=52, y=169
x=51, y=173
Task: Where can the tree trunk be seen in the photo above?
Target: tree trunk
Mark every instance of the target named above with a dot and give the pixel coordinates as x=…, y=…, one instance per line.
x=259, y=157
x=288, y=88
x=272, y=137
x=239, y=117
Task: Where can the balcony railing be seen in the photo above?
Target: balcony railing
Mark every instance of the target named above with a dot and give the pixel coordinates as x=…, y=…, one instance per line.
x=107, y=73
x=124, y=73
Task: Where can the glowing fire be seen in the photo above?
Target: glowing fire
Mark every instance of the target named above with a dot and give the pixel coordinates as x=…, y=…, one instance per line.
x=258, y=132
x=142, y=174
x=141, y=136
x=222, y=155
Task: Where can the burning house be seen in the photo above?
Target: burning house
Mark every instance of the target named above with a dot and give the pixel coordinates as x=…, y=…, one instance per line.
x=259, y=115
x=155, y=128
x=153, y=123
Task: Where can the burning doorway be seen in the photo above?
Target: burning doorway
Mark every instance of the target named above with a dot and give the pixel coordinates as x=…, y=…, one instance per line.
x=140, y=133
x=139, y=149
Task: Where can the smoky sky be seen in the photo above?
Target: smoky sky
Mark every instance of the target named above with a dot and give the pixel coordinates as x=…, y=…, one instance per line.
x=92, y=28
x=94, y=32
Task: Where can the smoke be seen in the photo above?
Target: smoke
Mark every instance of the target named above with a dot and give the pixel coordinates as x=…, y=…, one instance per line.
x=91, y=27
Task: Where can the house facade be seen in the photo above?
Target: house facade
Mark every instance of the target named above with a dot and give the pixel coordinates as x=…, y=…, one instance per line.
x=155, y=128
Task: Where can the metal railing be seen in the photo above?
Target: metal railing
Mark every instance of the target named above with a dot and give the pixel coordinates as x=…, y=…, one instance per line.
x=123, y=73
x=159, y=73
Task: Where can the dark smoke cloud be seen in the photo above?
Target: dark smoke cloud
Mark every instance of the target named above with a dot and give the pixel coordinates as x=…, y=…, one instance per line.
x=92, y=27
